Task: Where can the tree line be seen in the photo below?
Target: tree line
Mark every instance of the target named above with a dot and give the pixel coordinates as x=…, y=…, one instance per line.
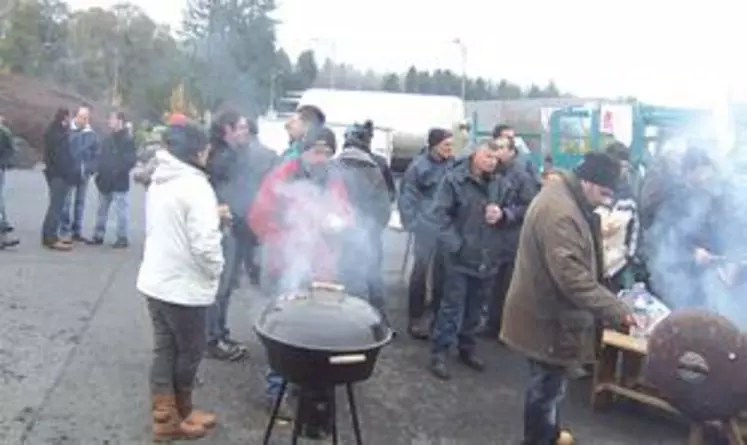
x=224, y=55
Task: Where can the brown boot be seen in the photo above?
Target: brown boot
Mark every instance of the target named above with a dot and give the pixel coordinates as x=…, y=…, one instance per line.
x=168, y=424
x=189, y=414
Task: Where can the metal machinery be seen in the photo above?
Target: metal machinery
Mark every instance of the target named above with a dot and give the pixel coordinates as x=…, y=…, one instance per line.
x=528, y=144
x=576, y=130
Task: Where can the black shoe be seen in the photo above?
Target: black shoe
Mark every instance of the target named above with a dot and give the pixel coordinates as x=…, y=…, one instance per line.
x=438, y=368
x=80, y=239
x=221, y=350
x=121, y=243
x=7, y=229
x=419, y=329
x=470, y=360
x=228, y=340
x=95, y=241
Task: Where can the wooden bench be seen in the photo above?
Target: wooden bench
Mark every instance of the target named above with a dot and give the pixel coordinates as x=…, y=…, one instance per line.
x=618, y=373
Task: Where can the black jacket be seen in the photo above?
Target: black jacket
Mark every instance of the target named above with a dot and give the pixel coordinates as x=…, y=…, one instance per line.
x=418, y=186
x=517, y=189
x=457, y=219
x=7, y=147
x=58, y=158
x=117, y=158
x=236, y=174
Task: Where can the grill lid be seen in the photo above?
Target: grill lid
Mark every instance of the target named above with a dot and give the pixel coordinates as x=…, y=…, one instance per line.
x=324, y=318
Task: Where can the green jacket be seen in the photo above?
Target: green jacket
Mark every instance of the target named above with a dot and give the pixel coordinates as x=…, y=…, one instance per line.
x=293, y=151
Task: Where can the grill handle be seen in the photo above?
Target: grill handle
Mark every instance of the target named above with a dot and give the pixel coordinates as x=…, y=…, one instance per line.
x=347, y=359
x=326, y=285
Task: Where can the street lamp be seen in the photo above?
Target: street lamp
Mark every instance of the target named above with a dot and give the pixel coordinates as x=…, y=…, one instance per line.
x=332, y=47
x=463, y=51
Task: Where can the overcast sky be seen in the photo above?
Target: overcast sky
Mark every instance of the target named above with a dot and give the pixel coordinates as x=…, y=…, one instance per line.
x=663, y=51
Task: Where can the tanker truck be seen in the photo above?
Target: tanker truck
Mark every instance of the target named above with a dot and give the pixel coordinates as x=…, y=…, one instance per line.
x=401, y=120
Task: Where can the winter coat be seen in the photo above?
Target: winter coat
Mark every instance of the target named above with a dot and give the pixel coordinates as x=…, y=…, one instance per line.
x=419, y=184
x=557, y=303
x=517, y=189
x=85, y=148
x=457, y=220
x=299, y=219
x=182, y=257
x=7, y=147
x=58, y=157
x=367, y=187
x=117, y=158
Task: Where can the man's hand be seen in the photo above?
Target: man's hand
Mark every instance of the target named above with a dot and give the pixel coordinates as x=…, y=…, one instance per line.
x=493, y=214
x=629, y=322
x=703, y=257
x=224, y=213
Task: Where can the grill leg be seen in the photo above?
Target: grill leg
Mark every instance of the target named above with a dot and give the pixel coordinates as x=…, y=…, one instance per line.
x=333, y=408
x=354, y=414
x=274, y=415
x=297, y=422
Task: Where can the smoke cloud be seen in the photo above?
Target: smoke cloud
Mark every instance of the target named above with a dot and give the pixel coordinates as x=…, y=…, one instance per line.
x=709, y=212
x=325, y=238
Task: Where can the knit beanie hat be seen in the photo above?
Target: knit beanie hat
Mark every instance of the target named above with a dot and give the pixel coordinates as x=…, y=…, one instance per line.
x=437, y=135
x=185, y=141
x=320, y=135
x=600, y=169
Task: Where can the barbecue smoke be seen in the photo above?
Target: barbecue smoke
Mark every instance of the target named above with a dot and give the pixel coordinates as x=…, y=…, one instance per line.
x=325, y=238
x=687, y=212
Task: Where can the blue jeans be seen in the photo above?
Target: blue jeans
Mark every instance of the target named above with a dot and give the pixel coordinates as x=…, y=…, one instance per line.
x=217, y=314
x=460, y=312
x=547, y=385
x=119, y=199
x=77, y=199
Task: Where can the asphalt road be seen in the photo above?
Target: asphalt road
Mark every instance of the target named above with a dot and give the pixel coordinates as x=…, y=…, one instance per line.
x=75, y=349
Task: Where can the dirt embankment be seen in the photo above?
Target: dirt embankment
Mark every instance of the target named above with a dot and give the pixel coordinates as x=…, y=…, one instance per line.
x=29, y=105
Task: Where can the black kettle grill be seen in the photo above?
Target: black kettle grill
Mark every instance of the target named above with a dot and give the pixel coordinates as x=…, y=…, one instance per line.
x=317, y=340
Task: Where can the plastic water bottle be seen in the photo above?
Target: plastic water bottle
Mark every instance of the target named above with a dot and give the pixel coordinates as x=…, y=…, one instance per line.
x=640, y=310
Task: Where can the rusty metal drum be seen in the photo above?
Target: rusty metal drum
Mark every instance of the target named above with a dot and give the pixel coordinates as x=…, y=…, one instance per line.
x=697, y=360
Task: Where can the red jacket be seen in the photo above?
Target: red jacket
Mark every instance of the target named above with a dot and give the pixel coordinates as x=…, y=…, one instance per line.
x=288, y=216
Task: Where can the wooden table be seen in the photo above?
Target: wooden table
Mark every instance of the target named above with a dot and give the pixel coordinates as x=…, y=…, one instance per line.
x=618, y=373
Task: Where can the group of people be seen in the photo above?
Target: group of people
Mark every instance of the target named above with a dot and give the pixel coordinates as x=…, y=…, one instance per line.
x=74, y=156
x=502, y=253
x=498, y=251
x=212, y=200
x=535, y=262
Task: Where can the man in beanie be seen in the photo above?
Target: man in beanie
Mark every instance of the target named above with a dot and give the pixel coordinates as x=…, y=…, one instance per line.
x=299, y=215
x=620, y=224
x=556, y=302
x=371, y=198
x=417, y=189
x=179, y=276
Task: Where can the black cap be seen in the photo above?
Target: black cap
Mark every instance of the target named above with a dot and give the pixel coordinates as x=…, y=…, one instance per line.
x=322, y=135
x=437, y=135
x=185, y=142
x=600, y=169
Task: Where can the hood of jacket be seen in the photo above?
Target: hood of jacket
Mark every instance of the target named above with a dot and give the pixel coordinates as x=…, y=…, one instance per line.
x=170, y=168
x=354, y=155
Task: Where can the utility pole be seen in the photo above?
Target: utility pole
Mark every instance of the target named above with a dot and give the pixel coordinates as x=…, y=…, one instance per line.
x=463, y=52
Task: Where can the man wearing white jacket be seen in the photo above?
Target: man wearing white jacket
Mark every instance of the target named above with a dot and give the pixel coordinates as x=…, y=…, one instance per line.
x=182, y=264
